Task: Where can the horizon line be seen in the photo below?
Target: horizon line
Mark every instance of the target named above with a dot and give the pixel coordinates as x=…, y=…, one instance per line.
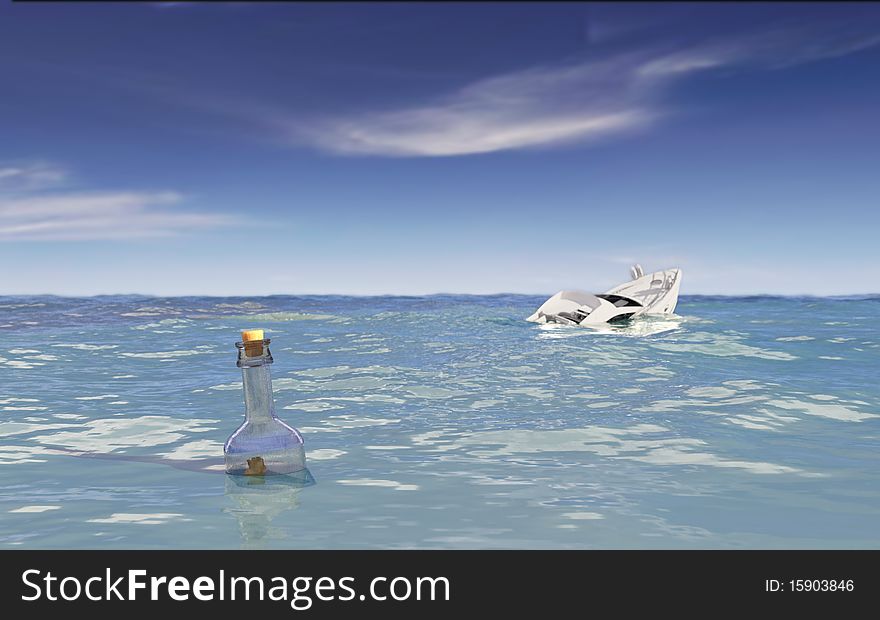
x=438, y=294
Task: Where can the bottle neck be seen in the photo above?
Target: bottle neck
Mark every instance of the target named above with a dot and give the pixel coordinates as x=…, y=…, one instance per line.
x=258, y=402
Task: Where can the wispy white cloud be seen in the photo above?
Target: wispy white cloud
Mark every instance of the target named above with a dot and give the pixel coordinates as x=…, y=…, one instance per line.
x=83, y=216
x=785, y=46
x=577, y=102
x=535, y=107
x=30, y=176
x=778, y=47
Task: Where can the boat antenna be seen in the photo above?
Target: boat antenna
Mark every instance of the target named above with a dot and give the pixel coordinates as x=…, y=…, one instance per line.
x=636, y=271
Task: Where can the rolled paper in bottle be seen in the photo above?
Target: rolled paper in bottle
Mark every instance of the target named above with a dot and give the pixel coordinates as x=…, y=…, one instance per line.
x=256, y=467
x=253, y=342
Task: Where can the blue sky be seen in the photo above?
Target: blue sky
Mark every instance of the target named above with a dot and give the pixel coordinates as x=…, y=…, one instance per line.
x=472, y=148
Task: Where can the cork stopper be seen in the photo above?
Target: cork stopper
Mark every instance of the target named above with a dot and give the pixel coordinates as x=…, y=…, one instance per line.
x=253, y=342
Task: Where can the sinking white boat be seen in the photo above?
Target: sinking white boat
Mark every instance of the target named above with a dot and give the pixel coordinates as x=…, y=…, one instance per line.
x=646, y=294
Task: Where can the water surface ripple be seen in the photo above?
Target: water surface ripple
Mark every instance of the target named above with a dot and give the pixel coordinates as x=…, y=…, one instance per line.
x=443, y=422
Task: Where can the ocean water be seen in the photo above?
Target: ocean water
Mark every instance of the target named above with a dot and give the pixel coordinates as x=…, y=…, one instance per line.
x=443, y=422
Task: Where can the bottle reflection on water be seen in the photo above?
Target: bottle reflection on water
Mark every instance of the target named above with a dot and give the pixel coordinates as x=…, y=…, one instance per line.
x=258, y=500
x=263, y=445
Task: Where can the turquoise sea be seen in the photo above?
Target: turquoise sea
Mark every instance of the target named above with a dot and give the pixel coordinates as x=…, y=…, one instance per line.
x=443, y=422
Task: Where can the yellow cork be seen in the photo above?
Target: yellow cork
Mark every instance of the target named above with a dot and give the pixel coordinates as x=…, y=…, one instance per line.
x=253, y=339
x=251, y=334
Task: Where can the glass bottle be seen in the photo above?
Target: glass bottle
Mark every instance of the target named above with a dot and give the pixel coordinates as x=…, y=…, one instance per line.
x=263, y=444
